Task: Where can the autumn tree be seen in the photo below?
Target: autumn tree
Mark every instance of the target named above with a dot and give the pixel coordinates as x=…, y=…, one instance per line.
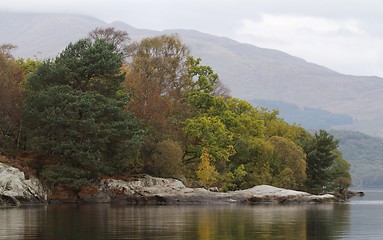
x=154, y=78
x=11, y=76
x=160, y=61
x=75, y=113
x=155, y=74
x=6, y=50
x=120, y=39
x=206, y=172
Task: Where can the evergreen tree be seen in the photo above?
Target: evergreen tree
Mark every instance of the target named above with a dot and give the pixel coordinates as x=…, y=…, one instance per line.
x=321, y=154
x=75, y=113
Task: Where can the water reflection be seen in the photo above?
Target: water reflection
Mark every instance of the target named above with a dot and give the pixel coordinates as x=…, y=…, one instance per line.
x=175, y=222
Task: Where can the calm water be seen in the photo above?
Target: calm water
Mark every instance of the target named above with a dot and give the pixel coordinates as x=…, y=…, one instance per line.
x=362, y=218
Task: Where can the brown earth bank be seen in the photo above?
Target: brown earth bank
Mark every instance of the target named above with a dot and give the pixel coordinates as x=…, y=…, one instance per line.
x=17, y=190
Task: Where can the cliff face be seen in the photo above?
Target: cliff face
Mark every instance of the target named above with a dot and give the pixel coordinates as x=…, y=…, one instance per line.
x=16, y=190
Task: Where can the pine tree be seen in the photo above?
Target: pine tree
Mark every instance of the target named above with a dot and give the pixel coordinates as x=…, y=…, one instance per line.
x=75, y=113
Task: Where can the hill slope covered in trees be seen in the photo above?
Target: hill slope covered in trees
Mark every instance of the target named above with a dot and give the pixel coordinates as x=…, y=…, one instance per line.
x=365, y=153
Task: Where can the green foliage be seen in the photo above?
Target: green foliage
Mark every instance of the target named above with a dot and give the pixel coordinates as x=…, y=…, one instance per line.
x=288, y=164
x=166, y=160
x=321, y=154
x=75, y=111
x=29, y=66
x=254, y=154
x=210, y=133
x=71, y=177
x=203, y=77
x=365, y=154
x=339, y=172
x=81, y=110
x=245, y=120
x=77, y=126
x=84, y=66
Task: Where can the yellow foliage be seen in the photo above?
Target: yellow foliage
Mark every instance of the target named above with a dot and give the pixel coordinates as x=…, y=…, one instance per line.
x=206, y=172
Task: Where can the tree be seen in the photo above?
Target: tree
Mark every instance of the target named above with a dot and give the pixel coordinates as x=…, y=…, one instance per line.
x=206, y=172
x=339, y=174
x=288, y=163
x=119, y=39
x=167, y=159
x=202, y=78
x=160, y=61
x=254, y=154
x=6, y=50
x=75, y=113
x=321, y=154
x=209, y=133
x=11, y=76
x=154, y=79
x=29, y=66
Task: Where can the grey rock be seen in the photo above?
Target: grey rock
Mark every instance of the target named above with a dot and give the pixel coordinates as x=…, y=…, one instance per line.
x=16, y=190
x=172, y=191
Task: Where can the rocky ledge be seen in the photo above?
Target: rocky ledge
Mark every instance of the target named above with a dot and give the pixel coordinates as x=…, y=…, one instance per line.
x=151, y=190
x=16, y=190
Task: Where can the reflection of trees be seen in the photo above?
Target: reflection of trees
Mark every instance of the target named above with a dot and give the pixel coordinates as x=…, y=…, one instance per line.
x=330, y=223
x=104, y=221
x=271, y=222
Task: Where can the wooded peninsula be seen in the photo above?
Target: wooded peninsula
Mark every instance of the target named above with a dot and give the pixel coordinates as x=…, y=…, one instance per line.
x=106, y=107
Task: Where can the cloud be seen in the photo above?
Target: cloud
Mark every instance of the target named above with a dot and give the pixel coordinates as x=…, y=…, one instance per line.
x=343, y=44
x=345, y=35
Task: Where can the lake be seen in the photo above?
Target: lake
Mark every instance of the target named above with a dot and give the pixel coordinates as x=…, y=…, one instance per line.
x=361, y=218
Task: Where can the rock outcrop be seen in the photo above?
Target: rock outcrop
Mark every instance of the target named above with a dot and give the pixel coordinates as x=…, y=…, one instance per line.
x=172, y=191
x=15, y=189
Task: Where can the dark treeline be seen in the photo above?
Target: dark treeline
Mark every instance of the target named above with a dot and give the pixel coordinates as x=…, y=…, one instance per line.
x=108, y=107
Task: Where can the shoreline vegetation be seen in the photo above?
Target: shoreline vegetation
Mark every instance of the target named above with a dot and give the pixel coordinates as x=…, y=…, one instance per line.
x=19, y=191
x=106, y=108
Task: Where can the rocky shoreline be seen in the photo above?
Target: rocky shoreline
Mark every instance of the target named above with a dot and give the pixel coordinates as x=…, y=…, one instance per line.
x=16, y=190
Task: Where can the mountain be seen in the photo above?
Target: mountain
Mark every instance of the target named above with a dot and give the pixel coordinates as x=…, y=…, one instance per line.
x=309, y=118
x=250, y=72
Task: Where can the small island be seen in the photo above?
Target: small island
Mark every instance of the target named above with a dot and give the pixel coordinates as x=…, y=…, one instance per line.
x=93, y=123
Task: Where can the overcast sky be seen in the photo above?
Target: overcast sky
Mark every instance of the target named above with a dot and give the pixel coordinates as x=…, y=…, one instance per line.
x=344, y=35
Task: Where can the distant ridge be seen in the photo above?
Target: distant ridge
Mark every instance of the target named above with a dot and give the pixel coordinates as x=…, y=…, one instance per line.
x=249, y=71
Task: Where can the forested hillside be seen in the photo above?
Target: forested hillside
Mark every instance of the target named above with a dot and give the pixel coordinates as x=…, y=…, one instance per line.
x=365, y=153
x=108, y=107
